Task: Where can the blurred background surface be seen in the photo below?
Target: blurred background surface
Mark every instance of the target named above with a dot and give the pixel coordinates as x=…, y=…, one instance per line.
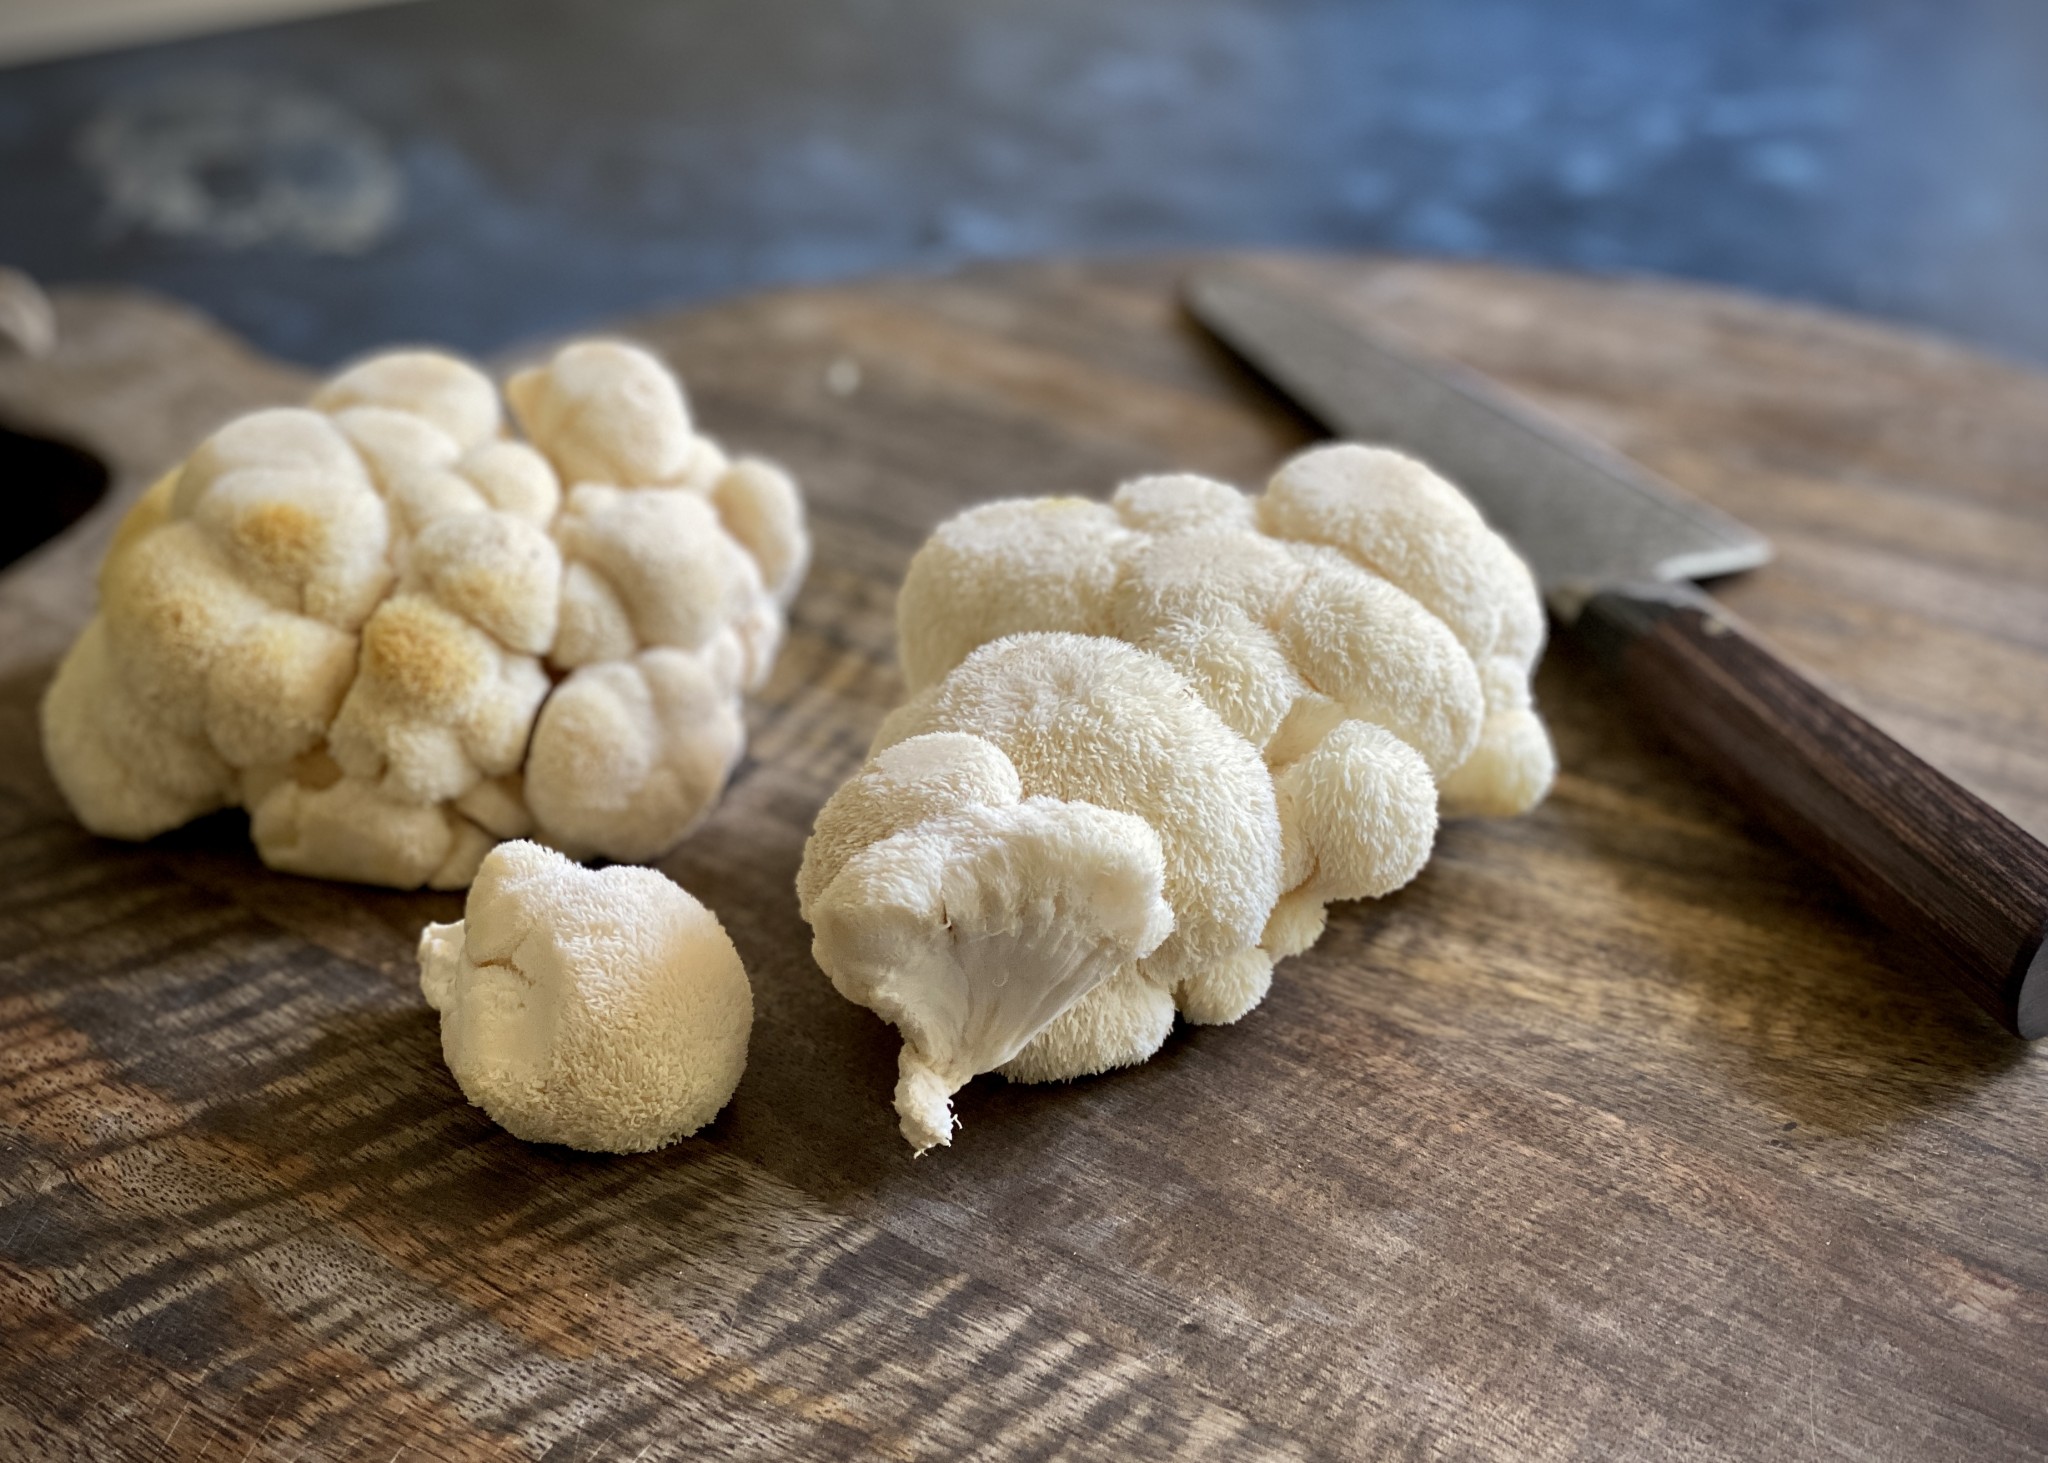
x=480, y=171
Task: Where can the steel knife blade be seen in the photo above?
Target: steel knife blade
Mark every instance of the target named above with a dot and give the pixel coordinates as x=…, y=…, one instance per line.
x=1583, y=515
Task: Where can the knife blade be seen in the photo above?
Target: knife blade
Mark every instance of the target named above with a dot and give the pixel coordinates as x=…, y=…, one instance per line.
x=1581, y=514
x=1614, y=547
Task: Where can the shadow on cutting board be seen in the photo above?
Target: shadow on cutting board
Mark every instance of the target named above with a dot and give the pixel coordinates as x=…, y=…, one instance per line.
x=1811, y=1007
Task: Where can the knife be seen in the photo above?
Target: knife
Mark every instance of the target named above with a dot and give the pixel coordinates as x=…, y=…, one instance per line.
x=1615, y=548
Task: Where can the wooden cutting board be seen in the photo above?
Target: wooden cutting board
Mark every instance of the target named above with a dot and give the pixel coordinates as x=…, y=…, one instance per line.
x=1618, y=1134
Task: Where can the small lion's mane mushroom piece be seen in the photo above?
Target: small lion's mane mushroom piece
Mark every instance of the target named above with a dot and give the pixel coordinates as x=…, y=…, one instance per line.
x=605, y=1010
x=971, y=918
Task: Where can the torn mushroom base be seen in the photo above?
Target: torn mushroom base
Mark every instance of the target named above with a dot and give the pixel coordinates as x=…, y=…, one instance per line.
x=1048, y=853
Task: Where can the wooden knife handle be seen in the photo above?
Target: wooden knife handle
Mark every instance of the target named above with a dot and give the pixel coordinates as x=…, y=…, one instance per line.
x=1922, y=853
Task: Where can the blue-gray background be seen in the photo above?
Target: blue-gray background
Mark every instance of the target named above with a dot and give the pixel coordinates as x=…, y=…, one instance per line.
x=478, y=171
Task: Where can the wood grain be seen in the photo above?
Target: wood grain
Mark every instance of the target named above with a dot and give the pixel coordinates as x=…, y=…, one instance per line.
x=1619, y=1134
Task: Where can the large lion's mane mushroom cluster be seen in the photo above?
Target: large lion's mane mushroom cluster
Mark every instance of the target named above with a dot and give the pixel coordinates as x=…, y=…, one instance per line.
x=398, y=634
x=1286, y=690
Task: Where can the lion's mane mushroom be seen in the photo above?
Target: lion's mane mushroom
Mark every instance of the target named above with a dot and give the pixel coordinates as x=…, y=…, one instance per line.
x=605, y=1010
x=1288, y=689
x=398, y=635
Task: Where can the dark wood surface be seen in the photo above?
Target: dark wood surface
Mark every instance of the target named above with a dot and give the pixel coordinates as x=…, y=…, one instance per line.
x=1925, y=855
x=1619, y=1134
